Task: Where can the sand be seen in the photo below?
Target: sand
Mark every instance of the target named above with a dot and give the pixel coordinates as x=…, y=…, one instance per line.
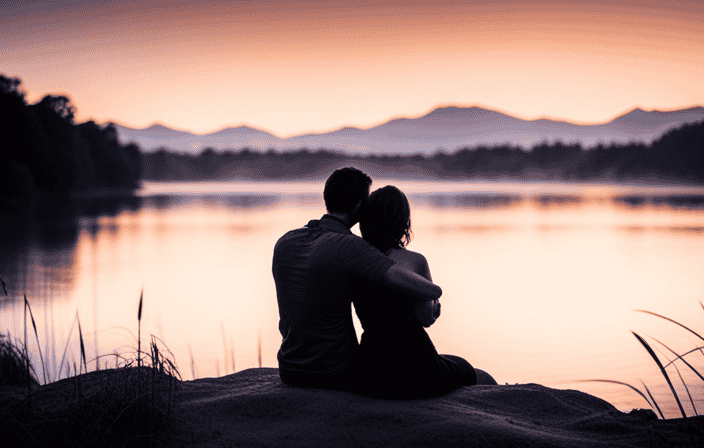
x=254, y=408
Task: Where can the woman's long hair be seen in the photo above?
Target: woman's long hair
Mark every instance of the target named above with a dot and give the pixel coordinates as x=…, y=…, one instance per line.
x=386, y=219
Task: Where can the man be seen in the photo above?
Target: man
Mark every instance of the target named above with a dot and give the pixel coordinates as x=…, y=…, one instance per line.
x=314, y=268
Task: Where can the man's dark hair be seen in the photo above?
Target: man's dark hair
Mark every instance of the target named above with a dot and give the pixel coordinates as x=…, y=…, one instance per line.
x=344, y=188
x=386, y=221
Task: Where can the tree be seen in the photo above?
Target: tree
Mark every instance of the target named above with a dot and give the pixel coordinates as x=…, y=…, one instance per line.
x=60, y=105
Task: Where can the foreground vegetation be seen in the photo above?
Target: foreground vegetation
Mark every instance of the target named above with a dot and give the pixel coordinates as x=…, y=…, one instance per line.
x=128, y=405
x=676, y=361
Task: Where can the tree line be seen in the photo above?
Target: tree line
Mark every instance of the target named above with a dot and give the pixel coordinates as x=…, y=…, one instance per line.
x=677, y=155
x=43, y=150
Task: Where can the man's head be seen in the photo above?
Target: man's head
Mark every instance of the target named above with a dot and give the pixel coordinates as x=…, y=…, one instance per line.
x=344, y=189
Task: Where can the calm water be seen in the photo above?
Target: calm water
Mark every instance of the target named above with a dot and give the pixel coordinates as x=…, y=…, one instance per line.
x=540, y=280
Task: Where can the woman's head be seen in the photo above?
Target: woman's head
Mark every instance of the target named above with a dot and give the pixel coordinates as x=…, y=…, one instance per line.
x=386, y=219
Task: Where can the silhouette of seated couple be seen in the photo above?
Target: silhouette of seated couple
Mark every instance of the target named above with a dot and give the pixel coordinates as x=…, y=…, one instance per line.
x=321, y=268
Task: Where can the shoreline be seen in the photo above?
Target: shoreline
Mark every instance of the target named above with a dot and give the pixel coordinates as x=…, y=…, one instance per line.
x=253, y=407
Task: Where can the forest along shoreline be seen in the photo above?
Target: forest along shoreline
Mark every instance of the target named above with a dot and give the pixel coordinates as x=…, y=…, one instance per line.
x=48, y=154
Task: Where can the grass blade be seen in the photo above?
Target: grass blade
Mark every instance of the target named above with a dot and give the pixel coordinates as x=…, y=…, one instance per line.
x=696, y=349
x=36, y=335
x=232, y=354
x=63, y=357
x=653, y=398
x=13, y=367
x=193, y=363
x=681, y=358
x=24, y=345
x=259, y=348
x=691, y=401
x=224, y=344
x=673, y=321
x=635, y=389
x=662, y=369
x=139, y=311
x=139, y=330
x=83, y=347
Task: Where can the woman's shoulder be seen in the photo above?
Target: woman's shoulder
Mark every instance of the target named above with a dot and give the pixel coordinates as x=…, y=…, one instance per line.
x=413, y=261
x=409, y=254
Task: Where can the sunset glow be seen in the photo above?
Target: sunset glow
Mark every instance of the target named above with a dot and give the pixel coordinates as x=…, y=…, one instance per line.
x=315, y=66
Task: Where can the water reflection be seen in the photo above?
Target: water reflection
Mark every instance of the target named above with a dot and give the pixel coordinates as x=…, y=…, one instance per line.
x=250, y=201
x=686, y=201
x=160, y=201
x=558, y=200
x=307, y=199
x=666, y=229
x=244, y=229
x=473, y=200
x=547, y=228
x=634, y=201
x=39, y=241
x=677, y=201
x=519, y=265
x=471, y=229
x=232, y=201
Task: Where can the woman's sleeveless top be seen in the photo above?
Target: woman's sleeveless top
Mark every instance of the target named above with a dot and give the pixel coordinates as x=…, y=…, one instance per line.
x=396, y=355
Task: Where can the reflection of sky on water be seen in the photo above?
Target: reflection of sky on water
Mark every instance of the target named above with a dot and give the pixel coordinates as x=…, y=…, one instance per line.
x=46, y=237
x=511, y=259
x=486, y=200
x=54, y=224
x=683, y=201
x=471, y=200
x=449, y=228
x=551, y=200
x=434, y=194
x=38, y=254
x=667, y=229
x=234, y=201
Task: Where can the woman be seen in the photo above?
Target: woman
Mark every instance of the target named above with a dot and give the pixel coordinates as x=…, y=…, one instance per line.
x=397, y=359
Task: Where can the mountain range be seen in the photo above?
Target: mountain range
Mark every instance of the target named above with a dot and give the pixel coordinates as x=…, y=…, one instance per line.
x=447, y=128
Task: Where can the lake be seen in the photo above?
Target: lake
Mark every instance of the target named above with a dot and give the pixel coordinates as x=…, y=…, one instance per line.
x=541, y=280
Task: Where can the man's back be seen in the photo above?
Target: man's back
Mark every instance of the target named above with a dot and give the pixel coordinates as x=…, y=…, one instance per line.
x=313, y=267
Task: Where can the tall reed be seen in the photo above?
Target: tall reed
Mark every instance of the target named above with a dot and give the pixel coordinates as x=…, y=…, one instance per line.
x=699, y=349
x=129, y=405
x=15, y=367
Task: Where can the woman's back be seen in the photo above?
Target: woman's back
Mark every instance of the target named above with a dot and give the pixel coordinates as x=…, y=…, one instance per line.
x=397, y=356
x=387, y=312
x=397, y=359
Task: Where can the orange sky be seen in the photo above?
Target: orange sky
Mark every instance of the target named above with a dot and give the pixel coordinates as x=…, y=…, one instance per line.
x=294, y=67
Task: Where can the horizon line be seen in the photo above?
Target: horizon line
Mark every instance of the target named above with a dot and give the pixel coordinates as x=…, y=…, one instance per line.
x=441, y=106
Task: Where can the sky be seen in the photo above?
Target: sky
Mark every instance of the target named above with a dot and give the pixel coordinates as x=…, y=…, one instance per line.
x=291, y=67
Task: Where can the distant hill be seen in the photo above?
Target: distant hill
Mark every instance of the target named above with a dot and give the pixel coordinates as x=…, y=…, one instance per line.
x=156, y=136
x=448, y=128
x=676, y=156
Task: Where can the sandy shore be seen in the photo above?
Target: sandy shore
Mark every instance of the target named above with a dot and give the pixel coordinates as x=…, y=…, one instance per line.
x=254, y=408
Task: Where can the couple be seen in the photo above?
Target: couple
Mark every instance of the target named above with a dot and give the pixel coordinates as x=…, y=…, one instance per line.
x=320, y=269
